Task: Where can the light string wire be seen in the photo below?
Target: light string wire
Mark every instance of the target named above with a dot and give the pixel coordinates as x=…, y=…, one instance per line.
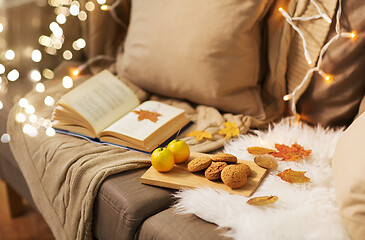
x=292, y=96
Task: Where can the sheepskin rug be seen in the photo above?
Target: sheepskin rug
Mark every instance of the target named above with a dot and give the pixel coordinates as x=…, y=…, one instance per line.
x=303, y=211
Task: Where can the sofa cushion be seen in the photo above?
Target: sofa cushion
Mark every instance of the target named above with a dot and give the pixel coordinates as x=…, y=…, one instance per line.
x=349, y=178
x=205, y=51
x=123, y=203
x=168, y=225
x=337, y=102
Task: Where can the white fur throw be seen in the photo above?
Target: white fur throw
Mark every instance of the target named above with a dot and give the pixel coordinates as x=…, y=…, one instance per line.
x=303, y=211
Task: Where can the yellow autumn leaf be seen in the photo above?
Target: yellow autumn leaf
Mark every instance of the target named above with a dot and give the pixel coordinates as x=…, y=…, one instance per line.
x=259, y=150
x=230, y=130
x=259, y=201
x=294, y=176
x=200, y=135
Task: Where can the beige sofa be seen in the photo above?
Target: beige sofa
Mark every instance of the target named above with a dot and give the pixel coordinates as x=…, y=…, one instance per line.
x=269, y=58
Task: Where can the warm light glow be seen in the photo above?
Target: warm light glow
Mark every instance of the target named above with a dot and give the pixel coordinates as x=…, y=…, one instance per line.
x=23, y=102
x=75, y=72
x=67, y=55
x=9, y=54
x=81, y=43
x=35, y=76
x=47, y=73
x=29, y=109
x=101, y=2
x=1, y=105
x=20, y=117
x=67, y=82
x=353, y=35
x=49, y=101
x=13, y=75
x=61, y=18
x=328, y=78
x=104, y=7
x=287, y=97
x=90, y=6
x=2, y=69
x=309, y=62
x=33, y=118
x=45, y=41
x=36, y=55
x=1, y=27
x=30, y=130
x=5, y=138
x=74, y=10
x=50, y=132
x=40, y=87
x=280, y=9
x=82, y=16
x=47, y=123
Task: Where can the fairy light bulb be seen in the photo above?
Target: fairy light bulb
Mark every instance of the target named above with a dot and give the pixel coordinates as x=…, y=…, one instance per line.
x=49, y=101
x=50, y=132
x=353, y=35
x=67, y=55
x=82, y=16
x=35, y=76
x=9, y=54
x=47, y=73
x=40, y=87
x=1, y=105
x=280, y=9
x=2, y=69
x=1, y=27
x=104, y=7
x=36, y=55
x=90, y=6
x=75, y=72
x=67, y=82
x=287, y=97
x=101, y=2
x=23, y=102
x=29, y=109
x=33, y=118
x=13, y=75
x=328, y=78
x=5, y=138
x=61, y=18
x=20, y=117
x=74, y=10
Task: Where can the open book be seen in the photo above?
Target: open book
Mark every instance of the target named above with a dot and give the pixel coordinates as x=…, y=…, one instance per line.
x=104, y=108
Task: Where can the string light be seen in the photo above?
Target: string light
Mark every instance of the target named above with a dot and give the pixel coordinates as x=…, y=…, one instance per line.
x=9, y=55
x=40, y=87
x=23, y=102
x=36, y=55
x=49, y=101
x=325, y=76
x=5, y=138
x=13, y=75
x=2, y=69
x=104, y=7
x=1, y=105
x=67, y=82
x=20, y=117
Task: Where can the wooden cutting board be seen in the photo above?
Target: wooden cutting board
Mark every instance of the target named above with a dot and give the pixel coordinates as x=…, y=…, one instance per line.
x=180, y=178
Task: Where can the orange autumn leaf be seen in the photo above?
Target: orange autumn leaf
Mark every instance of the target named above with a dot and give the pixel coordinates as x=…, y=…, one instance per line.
x=294, y=176
x=293, y=153
x=200, y=135
x=259, y=201
x=230, y=130
x=145, y=114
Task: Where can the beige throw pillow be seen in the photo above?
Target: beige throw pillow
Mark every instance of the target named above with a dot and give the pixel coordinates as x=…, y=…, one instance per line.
x=348, y=172
x=204, y=51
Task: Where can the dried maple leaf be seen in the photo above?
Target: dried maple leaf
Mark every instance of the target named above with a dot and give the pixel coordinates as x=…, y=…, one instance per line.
x=145, y=114
x=259, y=201
x=230, y=130
x=259, y=150
x=293, y=153
x=200, y=135
x=266, y=161
x=294, y=176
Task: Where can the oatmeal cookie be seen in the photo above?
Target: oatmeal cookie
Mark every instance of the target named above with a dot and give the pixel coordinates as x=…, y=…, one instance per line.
x=213, y=172
x=199, y=163
x=224, y=157
x=234, y=176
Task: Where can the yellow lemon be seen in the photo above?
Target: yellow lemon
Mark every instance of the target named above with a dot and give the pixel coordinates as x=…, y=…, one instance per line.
x=180, y=150
x=162, y=159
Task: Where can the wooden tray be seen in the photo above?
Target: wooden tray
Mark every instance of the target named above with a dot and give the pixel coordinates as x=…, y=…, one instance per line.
x=179, y=178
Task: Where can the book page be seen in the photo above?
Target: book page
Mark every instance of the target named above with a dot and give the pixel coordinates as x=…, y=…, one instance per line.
x=130, y=126
x=101, y=100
